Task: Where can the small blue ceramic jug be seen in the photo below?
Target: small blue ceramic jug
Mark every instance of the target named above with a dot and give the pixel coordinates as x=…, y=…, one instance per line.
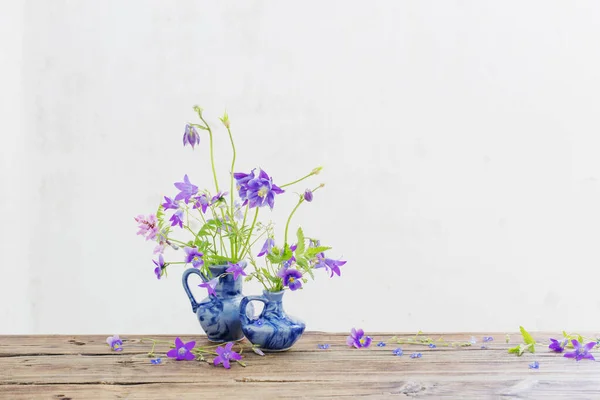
x=274, y=330
x=218, y=315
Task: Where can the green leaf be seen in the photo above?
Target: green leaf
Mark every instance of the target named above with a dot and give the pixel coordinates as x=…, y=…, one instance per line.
x=526, y=336
x=313, y=251
x=300, y=245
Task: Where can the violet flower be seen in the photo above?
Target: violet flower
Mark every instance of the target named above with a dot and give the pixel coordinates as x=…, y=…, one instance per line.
x=182, y=351
x=397, y=352
x=186, y=189
x=190, y=136
x=170, y=204
x=201, y=202
x=210, y=286
x=358, y=339
x=115, y=343
x=177, y=218
x=534, y=365
x=261, y=191
x=308, y=195
x=226, y=354
x=291, y=278
x=160, y=265
x=381, y=344
x=267, y=247
x=432, y=346
x=155, y=361
x=557, y=346
x=323, y=346
x=236, y=270
x=193, y=256
x=241, y=181
x=487, y=339
x=148, y=227
x=219, y=196
x=581, y=351
x=416, y=355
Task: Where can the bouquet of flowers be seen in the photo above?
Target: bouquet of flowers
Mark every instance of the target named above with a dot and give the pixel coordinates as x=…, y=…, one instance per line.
x=223, y=226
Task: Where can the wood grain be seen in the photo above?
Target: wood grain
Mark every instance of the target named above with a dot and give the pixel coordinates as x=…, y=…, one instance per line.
x=83, y=367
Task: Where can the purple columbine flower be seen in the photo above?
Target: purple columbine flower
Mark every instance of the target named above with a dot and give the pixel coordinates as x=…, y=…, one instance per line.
x=177, y=218
x=581, y=351
x=308, y=195
x=115, y=343
x=534, y=365
x=330, y=265
x=261, y=191
x=291, y=278
x=324, y=346
x=193, y=256
x=155, y=361
x=557, y=346
x=226, y=354
x=241, y=182
x=182, y=351
x=267, y=247
x=148, y=227
x=397, y=352
x=190, y=136
x=186, y=189
x=170, y=204
x=358, y=339
x=201, y=202
x=160, y=265
x=219, y=196
x=236, y=270
x=210, y=286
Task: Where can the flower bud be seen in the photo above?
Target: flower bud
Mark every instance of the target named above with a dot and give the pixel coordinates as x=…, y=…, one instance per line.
x=316, y=170
x=225, y=120
x=308, y=195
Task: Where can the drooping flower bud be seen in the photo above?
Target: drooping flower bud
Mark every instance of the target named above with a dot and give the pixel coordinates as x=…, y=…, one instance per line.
x=308, y=195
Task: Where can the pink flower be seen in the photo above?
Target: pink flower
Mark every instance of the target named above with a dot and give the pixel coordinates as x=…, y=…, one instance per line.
x=148, y=227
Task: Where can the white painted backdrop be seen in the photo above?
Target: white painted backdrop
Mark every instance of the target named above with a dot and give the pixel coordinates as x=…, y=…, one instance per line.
x=459, y=141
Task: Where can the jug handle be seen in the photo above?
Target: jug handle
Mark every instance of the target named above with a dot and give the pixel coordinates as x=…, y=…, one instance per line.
x=186, y=286
x=244, y=303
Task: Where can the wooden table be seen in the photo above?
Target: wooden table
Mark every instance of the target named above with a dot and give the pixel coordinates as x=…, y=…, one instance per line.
x=83, y=367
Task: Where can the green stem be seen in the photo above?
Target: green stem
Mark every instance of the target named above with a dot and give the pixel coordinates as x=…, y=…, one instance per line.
x=298, y=180
x=287, y=225
x=233, y=249
x=246, y=248
x=212, y=157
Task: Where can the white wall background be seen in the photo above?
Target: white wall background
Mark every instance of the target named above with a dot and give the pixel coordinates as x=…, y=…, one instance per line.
x=459, y=138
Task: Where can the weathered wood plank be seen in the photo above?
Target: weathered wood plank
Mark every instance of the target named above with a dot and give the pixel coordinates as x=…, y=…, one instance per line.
x=84, y=367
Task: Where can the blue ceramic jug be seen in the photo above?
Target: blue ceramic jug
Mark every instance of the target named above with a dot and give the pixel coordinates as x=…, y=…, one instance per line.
x=218, y=315
x=274, y=330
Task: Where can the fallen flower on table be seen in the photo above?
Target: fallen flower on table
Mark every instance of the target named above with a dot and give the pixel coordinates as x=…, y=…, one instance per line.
x=156, y=361
x=581, y=351
x=115, y=343
x=432, y=346
x=416, y=355
x=534, y=365
x=358, y=339
x=258, y=351
x=226, y=354
x=324, y=346
x=182, y=351
x=397, y=352
x=381, y=344
x=557, y=346
x=487, y=339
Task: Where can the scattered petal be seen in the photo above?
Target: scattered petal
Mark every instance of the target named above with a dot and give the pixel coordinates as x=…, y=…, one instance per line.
x=381, y=344
x=534, y=365
x=416, y=355
x=324, y=346
x=156, y=361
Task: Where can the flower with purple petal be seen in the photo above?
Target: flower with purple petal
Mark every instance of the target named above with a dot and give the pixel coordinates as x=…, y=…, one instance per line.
x=487, y=339
x=210, y=286
x=160, y=265
x=261, y=191
x=291, y=278
x=155, y=361
x=432, y=346
x=201, y=202
x=241, y=182
x=557, y=346
x=236, y=270
x=534, y=365
x=115, y=343
x=267, y=247
x=358, y=339
x=218, y=197
x=288, y=263
x=581, y=351
x=416, y=355
x=308, y=195
x=186, y=189
x=397, y=352
x=324, y=346
x=148, y=226
x=190, y=136
x=381, y=344
x=332, y=266
x=192, y=255
x=473, y=340
x=182, y=351
x=226, y=354
x=170, y=204
x=177, y=218
x=161, y=238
